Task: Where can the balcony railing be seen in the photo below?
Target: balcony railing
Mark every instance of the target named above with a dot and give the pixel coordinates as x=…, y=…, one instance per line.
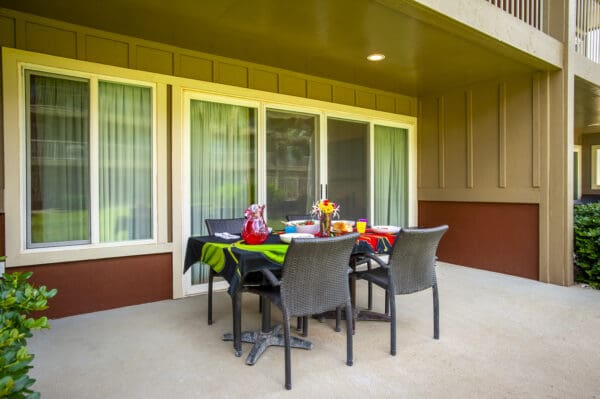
x=587, y=29
x=529, y=11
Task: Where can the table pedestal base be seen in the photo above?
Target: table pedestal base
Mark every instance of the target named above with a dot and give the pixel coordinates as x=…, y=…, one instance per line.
x=262, y=340
x=357, y=314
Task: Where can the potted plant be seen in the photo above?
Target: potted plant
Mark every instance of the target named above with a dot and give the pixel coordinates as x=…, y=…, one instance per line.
x=18, y=299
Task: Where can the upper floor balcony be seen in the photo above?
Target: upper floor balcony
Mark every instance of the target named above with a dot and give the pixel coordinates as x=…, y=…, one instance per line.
x=587, y=29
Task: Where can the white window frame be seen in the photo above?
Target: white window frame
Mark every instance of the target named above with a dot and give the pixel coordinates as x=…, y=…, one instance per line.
x=595, y=153
x=14, y=65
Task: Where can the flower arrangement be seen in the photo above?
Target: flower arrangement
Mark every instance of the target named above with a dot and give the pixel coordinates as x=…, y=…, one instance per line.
x=325, y=210
x=325, y=206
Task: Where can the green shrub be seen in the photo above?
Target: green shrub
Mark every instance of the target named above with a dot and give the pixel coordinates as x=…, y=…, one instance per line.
x=587, y=244
x=17, y=300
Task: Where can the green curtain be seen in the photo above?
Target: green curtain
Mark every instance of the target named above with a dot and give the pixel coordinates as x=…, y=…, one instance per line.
x=222, y=165
x=58, y=160
x=391, y=176
x=124, y=161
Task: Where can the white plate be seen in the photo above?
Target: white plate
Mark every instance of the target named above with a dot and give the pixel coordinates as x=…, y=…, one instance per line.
x=299, y=222
x=287, y=237
x=386, y=229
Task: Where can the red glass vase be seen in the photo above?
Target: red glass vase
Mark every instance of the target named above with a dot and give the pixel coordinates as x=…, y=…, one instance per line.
x=255, y=230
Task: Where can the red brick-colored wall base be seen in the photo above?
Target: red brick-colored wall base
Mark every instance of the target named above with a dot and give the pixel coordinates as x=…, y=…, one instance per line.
x=93, y=285
x=499, y=237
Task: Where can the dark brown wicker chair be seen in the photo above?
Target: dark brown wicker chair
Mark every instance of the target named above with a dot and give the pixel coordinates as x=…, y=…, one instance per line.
x=233, y=226
x=410, y=268
x=314, y=280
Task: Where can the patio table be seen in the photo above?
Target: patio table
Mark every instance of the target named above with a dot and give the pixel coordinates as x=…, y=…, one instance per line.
x=237, y=262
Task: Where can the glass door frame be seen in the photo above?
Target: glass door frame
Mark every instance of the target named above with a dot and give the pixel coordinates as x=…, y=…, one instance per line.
x=186, y=225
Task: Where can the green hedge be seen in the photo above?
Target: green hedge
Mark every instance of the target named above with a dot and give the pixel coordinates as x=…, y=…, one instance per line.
x=587, y=244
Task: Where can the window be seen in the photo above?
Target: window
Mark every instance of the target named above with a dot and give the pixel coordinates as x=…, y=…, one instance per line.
x=87, y=182
x=595, y=167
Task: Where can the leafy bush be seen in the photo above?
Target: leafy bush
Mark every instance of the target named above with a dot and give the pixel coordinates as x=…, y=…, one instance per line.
x=17, y=300
x=587, y=243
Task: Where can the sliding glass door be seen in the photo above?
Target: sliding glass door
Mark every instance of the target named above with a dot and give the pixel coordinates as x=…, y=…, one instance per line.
x=291, y=164
x=242, y=152
x=390, y=202
x=347, y=167
x=222, y=153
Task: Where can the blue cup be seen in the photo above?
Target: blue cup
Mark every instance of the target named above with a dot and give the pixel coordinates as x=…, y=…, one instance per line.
x=290, y=229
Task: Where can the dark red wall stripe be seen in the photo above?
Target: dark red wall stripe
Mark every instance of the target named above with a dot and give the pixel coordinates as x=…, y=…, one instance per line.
x=101, y=284
x=499, y=237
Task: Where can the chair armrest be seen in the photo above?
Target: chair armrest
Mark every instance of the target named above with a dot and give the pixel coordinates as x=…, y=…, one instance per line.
x=376, y=259
x=274, y=281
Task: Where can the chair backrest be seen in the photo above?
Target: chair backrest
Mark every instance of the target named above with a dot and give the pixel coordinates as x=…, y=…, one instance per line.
x=412, y=261
x=315, y=274
x=233, y=226
x=298, y=217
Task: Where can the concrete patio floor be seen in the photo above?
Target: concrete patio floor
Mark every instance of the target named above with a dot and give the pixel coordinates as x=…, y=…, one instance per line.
x=501, y=337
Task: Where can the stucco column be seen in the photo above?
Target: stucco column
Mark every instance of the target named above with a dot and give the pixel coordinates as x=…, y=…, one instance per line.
x=556, y=205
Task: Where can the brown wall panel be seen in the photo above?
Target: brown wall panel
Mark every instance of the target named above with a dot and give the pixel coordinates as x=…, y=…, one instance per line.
x=292, y=85
x=196, y=68
x=7, y=32
x=106, y=51
x=154, y=60
x=386, y=103
x=263, y=80
x=319, y=91
x=49, y=40
x=365, y=100
x=343, y=95
x=101, y=284
x=233, y=75
x=428, y=143
x=455, y=151
x=491, y=236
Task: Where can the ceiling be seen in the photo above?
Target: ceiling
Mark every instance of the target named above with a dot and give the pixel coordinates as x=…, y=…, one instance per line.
x=587, y=107
x=324, y=38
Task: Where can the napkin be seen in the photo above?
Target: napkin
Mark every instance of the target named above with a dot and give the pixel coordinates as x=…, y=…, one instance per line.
x=227, y=236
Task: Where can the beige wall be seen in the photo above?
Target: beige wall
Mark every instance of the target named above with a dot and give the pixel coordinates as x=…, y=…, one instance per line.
x=478, y=143
x=503, y=141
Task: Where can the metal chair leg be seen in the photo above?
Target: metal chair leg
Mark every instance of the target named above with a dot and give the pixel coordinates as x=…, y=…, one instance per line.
x=387, y=303
x=305, y=326
x=338, y=317
x=288, y=363
x=436, y=313
x=211, y=276
x=370, y=290
x=393, y=324
x=349, y=329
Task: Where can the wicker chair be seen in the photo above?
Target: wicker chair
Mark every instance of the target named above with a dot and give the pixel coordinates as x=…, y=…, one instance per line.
x=410, y=268
x=233, y=226
x=314, y=280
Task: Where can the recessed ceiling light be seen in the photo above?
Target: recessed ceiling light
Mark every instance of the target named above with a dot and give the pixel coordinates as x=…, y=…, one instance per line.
x=375, y=57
